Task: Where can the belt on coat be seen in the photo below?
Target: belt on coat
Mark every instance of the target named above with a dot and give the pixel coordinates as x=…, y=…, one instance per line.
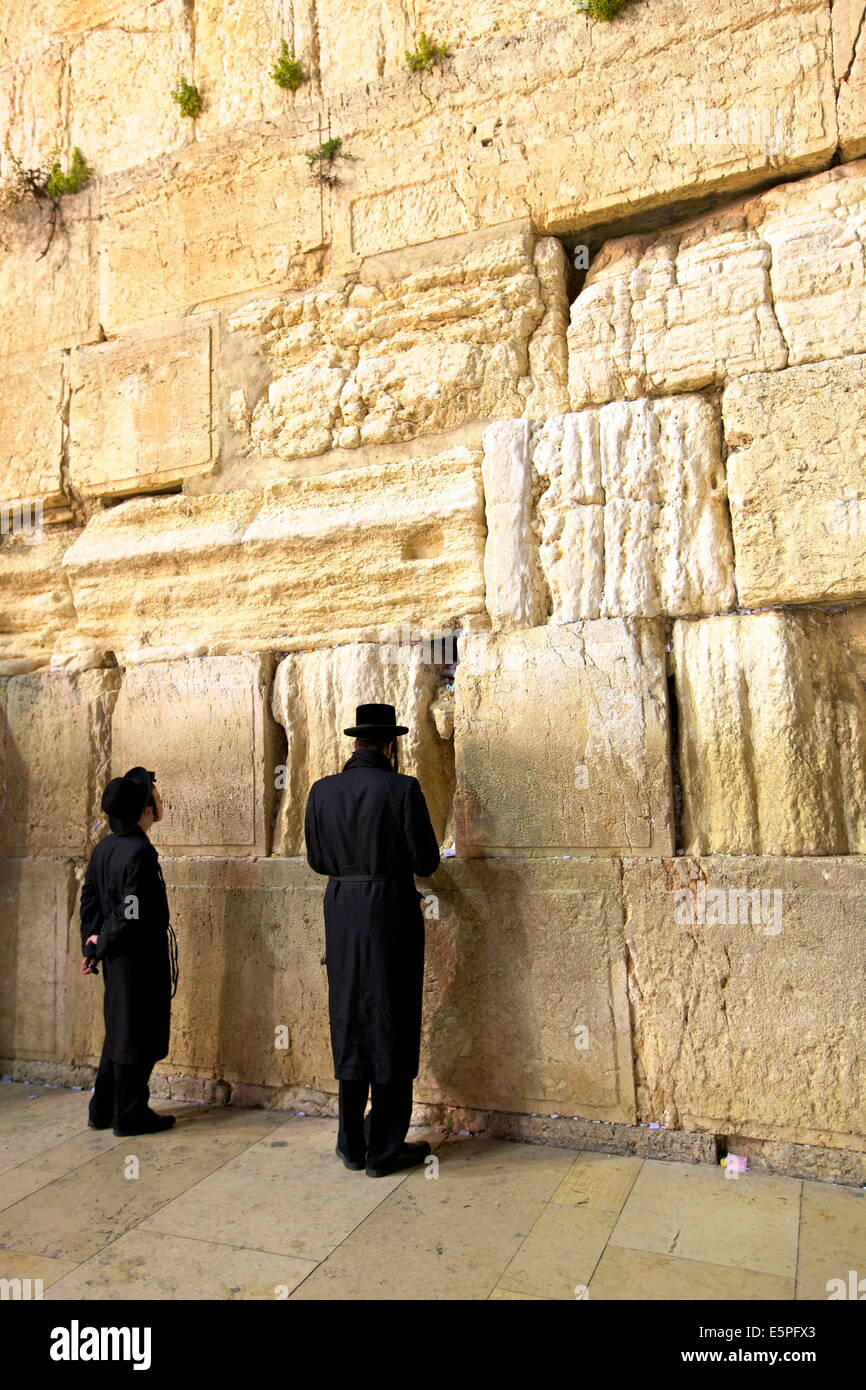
x=360, y=878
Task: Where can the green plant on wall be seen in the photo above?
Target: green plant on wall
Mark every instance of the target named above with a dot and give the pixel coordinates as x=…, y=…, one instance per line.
x=601, y=9
x=321, y=160
x=188, y=98
x=48, y=180
x=426, y=54
x=44, y=183
x=287, y=71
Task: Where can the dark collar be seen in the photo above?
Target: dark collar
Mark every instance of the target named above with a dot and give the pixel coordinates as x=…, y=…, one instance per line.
x=118, y=828
x=368, y=757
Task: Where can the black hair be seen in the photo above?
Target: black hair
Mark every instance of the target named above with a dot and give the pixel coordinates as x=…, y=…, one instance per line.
x=380, y=742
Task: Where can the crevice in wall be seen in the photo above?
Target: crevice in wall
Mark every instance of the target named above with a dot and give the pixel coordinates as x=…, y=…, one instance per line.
x=74, y=500
x=854, y=46
x=107, y=503
x=668, y=217
x=674, y=755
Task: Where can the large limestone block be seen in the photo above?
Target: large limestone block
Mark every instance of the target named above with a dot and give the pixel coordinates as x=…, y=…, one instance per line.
x=389, y=28
x=850, y=74
x=57, y=731
x=140, y=412
x=31, y=428
x=797, y=443
x=230, y=214
x=772, y=281
x=674, y=312
x=772, y=721
x=48, y=282
x=746, y=984
x=250, y=944
x=36, y=606
x=544, y=938
x=36, y=903
x=598, y=121
x=525, y=1002
x=561, y=740
x=83, y=1032
x=119, y=76
x=204, y=726
x=418, y=344
x=307, y=563
x=32, y=107
x=315, y=694
x=614, y=512
x=236, y=47
x=815, y=231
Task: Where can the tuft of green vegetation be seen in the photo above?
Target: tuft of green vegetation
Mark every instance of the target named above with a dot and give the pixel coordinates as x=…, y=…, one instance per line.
x=426, y=54
x=188, y=98
x=73, y=180
x=48, y=183
x=47, y=180
x=287, y=71
x=601, y=9
x=321, y=160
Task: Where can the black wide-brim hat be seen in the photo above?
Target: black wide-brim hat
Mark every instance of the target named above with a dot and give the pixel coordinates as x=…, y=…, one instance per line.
x=371, y=720
x=125, y=798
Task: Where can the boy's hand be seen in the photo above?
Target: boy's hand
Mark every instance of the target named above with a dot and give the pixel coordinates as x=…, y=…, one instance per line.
x=88, y=964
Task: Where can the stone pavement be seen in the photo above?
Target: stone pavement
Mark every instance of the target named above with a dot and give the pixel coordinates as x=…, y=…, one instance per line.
x=252, y=1204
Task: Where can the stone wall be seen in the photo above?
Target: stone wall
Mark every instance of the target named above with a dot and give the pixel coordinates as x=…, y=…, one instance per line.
x=540, y=417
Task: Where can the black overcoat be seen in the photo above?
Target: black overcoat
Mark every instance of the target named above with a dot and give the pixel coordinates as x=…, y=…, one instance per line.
x=369, y=820
x=123, y=877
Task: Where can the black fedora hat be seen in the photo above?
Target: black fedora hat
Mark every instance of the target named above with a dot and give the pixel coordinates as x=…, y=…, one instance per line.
x=125, y=798
x=375, y=719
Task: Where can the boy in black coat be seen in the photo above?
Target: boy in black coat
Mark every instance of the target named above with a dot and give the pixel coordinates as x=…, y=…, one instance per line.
x=125, y=926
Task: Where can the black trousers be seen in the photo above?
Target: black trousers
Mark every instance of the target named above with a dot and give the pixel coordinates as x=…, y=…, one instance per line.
x=380, y=1136
x=121, y=1093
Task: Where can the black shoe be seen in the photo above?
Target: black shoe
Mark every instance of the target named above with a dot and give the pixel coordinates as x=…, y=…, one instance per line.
x=410, y=1156
x=154, y=1125
x=350, y=1162
x=91, y=1125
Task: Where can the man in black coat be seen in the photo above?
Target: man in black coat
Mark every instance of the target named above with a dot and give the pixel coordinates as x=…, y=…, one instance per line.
x=368, y=828
x=125, y=926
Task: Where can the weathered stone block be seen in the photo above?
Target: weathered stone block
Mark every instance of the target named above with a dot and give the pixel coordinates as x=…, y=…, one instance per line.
x=496, y=158
x=311, y=562
x=204, y=726
x=36, y=902
x=674, y=312
x=525, y=1005
x=773, y=281
x=772, y=719
x=561, y=740
x=119, y=75
x=57, y=741
x=544, y=938
x=417, y=344
x=80, y=1043
x=59, y=270
x=35, y=599
x=615, y=512
x=746, y=985
x=31, y=429
x=848, y=70
x=236, y=48
x=250, y=942
x=315, y=694
x=223, y=216
x=797, y=444
x=140, y=414
x=32, y=108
